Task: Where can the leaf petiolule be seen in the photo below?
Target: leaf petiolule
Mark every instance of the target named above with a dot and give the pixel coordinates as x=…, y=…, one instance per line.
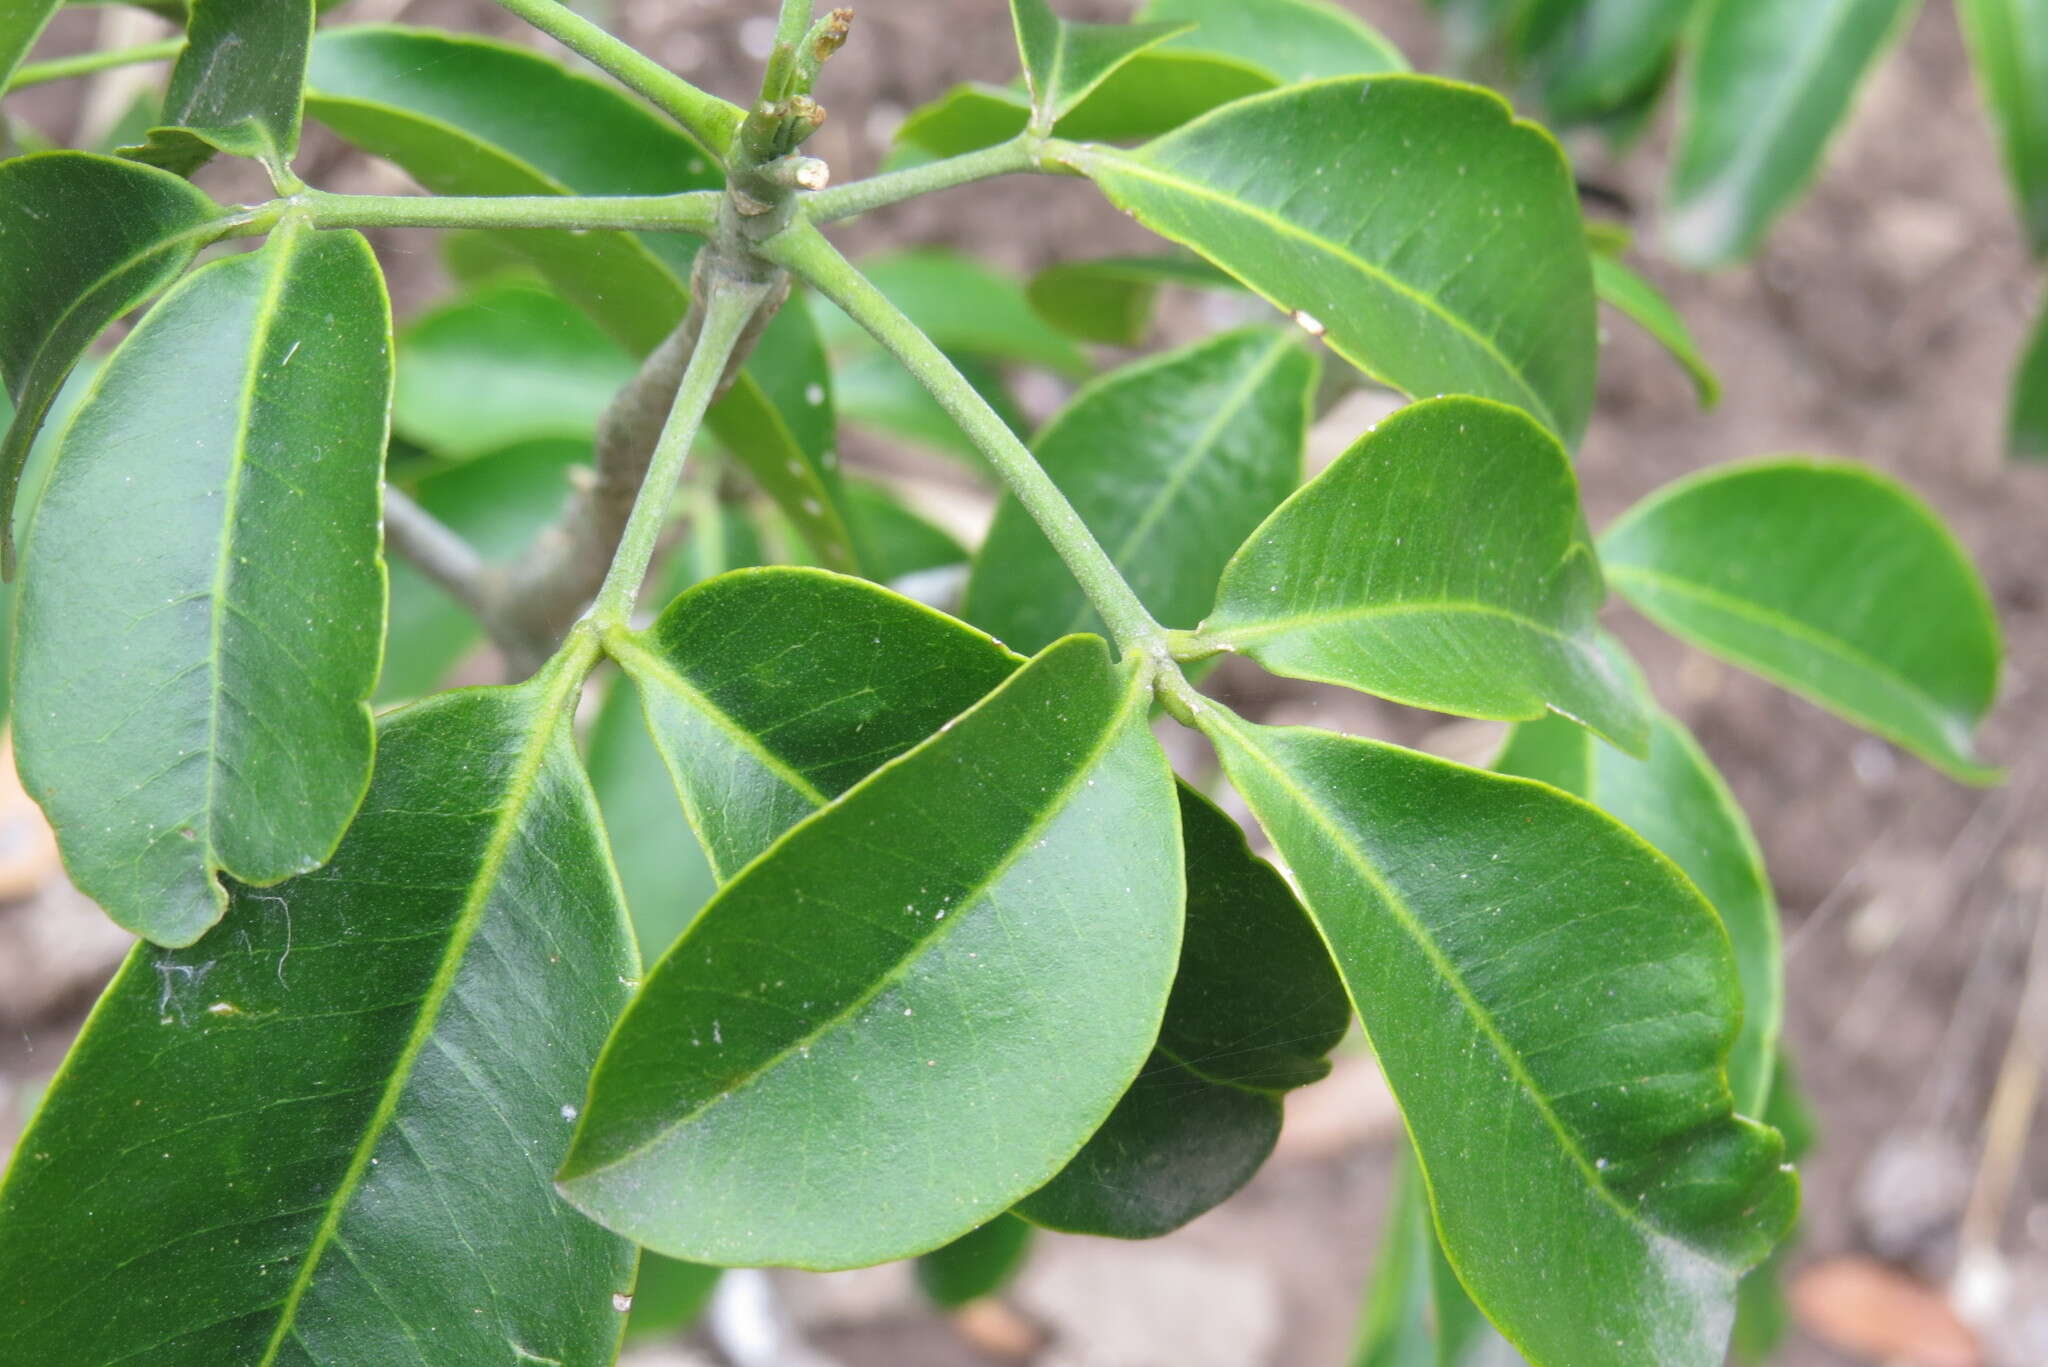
x=971, y=948
x=1675, y=799
x=215, y=717
x=1828, y=579
x=1256, y=1008
x=1467, y=581
x=1064, y=61
x=1312, y=195
x=1294, y=40
x=83, y=239
x=1171, y=461
x=324, y=1133
x=1553, y=1005
x=1767, y=86
x=237, y=87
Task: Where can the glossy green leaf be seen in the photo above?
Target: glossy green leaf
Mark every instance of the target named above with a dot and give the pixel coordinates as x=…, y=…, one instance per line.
x=1312, y=196
x=755, y=740
x=978, y=1263
x=20, y=26
x=31, y=493
x=1442, y=562
x=1416, y=1313
x=963, y=306
x=1644, y=305
x=1171, y=462
x=662, y=869
x=83, y=239
x=988, y=978
x=1603, y=55
x=324, y=1134
x=1830, y=580
x=1553, y=1005
x=2027, y=420
x=1767, y=85
x=2009, y=45
x=1064, y=60
x=1256, y=1008
x=496, y=503
x=236, y=88
x=505, y=364
x=457, y=114
x=1677, y=800
x=212, y=714
x=1110, y=299
x=669, y=1296
x=1294, y=40
x=1761, y=1312
x=1153, y=93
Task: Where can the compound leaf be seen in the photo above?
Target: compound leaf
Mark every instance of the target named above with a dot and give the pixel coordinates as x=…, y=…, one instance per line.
x=1830, y=580
x=1553, y=1005
x=310, y=1137
x=83, y=239
x=238, y=87
x=1767, y=86
x=1436, y=238
x=200, y=642
x=970, y=948
x=1171, y=462
x=1442, y=562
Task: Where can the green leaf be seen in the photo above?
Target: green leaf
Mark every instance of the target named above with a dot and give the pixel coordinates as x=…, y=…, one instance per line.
x=1637, y=299
x=1761, y=1312
x=1110, y=299
x=987, y=978
x=1416, y=1314
x=1312, y=195
x=978, y=1263
x=20, y=26
x=1466, y=580
x=669, y=1296
x=236, y=88
x=1553, y=1005
x=457, y=114
x=504, y=364
x=771, y=692
x=496, y=503
x=83, y=239
x=1171, y=462
x=961, y=305
x=324, y=1133
x=1256, y=1008
x=1830, y=580
x=1065, y=61
x=1678, y=801
x=895, y=542
x=2027, y=421
x=1294, y=40
x=199, y=641
x=1153, y=93
x=2009, y=45
x=1604, y=55
x=1767, y=86
x=662, y=869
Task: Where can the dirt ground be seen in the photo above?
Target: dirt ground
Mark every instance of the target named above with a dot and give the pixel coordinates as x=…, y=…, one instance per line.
x=1880, y=322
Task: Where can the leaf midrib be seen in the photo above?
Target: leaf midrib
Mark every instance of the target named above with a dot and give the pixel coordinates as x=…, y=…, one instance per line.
x=518, y=791
x=1132, y=165
x=1278, y=626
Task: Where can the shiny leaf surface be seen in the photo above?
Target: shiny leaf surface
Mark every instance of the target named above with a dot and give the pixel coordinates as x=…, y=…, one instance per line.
x=925, y=987
x=1171, y=462
x=1553, y=1005
x=1830, y=580
x=1644, y=305
x=83, y=239
x=311, y=1136
x=1466, y=580
x=1294, y=40
x=1064, y=60
x=215, y=718
x=1767, y=86
x=236, y=88
x=1312, y=195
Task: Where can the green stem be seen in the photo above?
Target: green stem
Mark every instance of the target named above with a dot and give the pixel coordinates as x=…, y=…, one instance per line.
x=792, y=23
x=728, y=308
x=713, y=121
x=804, y=250
x=696, y=211
x=86, y=63
x=1020, y=153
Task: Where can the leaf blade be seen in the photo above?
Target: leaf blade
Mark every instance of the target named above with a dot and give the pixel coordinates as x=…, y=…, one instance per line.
x=237, y=87
x=1064, y=61
x=2009, y=48
x=1294, y=40
x=1640, y=302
